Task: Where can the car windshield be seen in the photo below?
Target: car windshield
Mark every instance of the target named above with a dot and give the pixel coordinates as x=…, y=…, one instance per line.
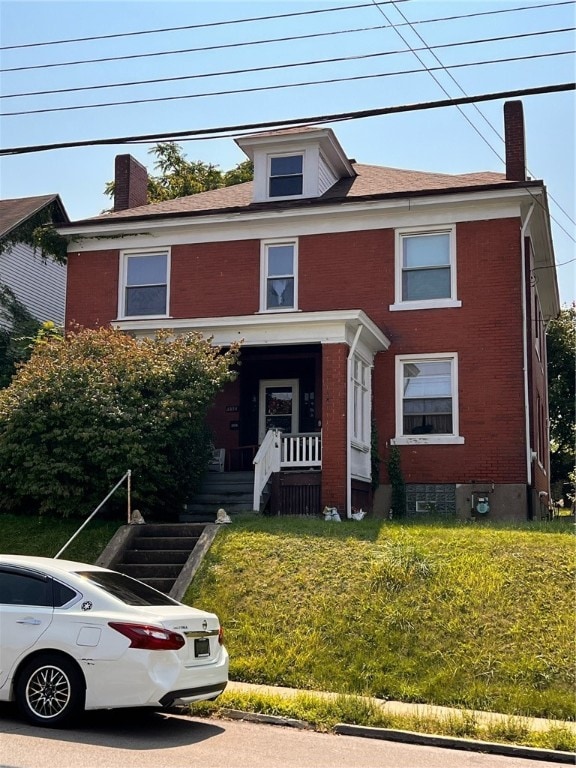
x=124, y=588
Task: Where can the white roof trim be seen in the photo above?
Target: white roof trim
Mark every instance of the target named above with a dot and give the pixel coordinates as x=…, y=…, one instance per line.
x=332, y=327
x=122, y=227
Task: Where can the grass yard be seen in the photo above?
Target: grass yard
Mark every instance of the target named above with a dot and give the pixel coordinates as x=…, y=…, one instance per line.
x=466, y=615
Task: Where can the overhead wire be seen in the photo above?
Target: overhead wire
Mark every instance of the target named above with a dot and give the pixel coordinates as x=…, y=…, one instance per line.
x=475, y=106
x=254, y=89
x=276, y=16
x=291, y=65
x=235, y=130
x=180, y=51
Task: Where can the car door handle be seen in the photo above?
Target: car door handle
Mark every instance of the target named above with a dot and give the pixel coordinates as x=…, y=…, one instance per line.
x=29, y=620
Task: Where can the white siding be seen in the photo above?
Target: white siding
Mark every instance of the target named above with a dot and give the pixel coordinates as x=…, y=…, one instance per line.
x=325, y=177
x=40, y=286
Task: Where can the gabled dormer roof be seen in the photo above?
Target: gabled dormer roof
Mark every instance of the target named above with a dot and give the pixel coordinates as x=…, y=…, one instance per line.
x=295, y=163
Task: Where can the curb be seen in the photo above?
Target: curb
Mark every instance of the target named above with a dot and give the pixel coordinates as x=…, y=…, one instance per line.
x=451, y=742
x=411, y=737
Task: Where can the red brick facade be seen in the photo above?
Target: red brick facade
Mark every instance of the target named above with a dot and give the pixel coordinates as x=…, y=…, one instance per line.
x=219, y=279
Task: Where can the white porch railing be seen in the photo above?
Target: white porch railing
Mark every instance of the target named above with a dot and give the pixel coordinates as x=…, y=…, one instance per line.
x=266, y=461
x=303, y=450
x=279, y=451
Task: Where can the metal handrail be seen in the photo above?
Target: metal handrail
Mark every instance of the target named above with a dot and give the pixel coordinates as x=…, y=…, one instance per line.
x=128, y=475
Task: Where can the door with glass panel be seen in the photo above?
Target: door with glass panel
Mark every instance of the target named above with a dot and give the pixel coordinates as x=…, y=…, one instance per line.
x=278, y=406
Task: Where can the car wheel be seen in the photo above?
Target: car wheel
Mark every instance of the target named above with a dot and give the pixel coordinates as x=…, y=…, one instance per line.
x=50, y=691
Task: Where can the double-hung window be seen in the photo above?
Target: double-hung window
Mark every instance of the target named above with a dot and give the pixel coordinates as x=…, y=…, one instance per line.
x=360, y=402
x=279, y=270
x=286, y=175
x=144, y=284
x=425, y=268
x=427, y=399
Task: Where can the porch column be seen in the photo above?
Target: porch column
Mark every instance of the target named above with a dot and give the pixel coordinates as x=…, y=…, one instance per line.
x=334, y=426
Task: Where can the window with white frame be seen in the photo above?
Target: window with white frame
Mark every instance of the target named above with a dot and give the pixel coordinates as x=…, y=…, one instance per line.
x=427, y=398
x=286, y=175
x=279, y=276
x=360, y=401
x=144, y=284
x=425, y=268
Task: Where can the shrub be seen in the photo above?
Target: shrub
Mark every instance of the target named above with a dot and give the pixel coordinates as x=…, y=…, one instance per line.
x=86, y=408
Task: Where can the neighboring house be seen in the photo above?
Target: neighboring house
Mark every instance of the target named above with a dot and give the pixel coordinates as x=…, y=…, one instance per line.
x=412, y=301
x=40, y=284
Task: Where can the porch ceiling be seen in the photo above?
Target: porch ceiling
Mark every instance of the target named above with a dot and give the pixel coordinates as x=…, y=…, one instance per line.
x=333, y=327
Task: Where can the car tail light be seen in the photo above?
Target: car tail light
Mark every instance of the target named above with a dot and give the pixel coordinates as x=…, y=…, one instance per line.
x=221, y=635
x=149, y=638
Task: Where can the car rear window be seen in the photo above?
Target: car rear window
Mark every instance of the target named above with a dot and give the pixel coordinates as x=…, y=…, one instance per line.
x=129, y=591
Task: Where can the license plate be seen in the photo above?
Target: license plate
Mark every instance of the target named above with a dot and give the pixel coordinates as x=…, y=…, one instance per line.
x=201, y=647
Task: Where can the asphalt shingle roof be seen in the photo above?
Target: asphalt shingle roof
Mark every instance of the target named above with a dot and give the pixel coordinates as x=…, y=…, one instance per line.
x=15, y=211
x=371, y=181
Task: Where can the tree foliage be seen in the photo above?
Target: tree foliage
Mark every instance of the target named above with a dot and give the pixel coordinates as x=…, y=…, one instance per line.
x=17, y=328
x=561, y=348
x=178, y=177
x=87, y=407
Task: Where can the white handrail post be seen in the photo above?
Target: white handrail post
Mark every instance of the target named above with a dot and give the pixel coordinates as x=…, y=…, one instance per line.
x=266, y=462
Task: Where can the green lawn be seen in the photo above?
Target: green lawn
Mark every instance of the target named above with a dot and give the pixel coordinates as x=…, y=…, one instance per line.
x=467, y=615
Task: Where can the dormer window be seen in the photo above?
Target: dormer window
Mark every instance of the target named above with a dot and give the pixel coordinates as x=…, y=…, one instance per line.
x=286, y=176
x=295, y=164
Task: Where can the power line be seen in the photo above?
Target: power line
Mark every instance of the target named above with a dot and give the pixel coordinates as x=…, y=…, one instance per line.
x=198, y=26
x=204, y=133
x=286, y=66
x=229, y=92
x=263, y=18
x=134, y=56
x=478, y=110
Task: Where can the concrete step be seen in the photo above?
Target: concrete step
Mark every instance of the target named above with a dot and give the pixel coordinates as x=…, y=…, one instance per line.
x=168, y=530
x=146, y=572
x=186, y=543
x=158, y=556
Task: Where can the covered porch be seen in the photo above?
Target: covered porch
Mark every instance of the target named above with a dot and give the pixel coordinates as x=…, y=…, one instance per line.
x=299, y=413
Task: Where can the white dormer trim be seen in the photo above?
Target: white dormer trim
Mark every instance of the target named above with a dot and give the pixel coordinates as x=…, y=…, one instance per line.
x=323, y=160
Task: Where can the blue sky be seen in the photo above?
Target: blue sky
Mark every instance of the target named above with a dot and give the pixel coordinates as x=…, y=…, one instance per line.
x=436, y=140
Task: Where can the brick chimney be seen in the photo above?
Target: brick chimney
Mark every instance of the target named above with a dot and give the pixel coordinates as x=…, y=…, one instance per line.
x=514, y=140
x=130, y=183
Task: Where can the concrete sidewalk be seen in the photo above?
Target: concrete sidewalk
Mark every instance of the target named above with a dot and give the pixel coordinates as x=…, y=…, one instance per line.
x=421, y=710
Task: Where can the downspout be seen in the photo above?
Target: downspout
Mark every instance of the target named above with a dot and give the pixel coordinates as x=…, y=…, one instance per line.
x=525, y=347
x=349, y=422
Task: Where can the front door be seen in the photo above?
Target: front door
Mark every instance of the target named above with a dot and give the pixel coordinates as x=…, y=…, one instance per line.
x=278, y=406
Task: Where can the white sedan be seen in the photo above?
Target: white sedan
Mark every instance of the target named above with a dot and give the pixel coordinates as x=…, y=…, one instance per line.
x=75, y=636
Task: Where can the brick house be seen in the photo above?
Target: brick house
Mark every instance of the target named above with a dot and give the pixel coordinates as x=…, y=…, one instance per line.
x=373, y=304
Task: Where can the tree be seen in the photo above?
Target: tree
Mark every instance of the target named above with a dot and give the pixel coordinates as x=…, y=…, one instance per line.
x=561, y=347
x=17, y=327
x=87, y=407
x=179, y=177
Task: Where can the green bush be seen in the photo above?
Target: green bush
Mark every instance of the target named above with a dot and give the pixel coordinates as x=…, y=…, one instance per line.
x=86, y=408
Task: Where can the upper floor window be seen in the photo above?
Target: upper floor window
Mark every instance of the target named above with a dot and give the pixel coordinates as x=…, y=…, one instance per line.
x=425, y=269
x=279, y=272
x=427, y=399
x=145, y=284
x=286, y=177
